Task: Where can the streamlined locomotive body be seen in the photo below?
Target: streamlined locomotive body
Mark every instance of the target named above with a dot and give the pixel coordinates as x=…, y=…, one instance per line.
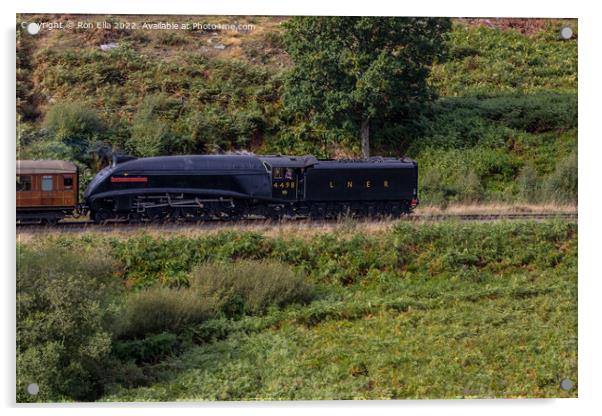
x=204, y=187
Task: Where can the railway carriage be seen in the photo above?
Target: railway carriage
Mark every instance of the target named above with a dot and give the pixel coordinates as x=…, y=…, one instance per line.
x=47, y=190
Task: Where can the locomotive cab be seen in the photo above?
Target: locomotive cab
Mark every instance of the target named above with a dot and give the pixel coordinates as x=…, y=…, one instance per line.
x=285, y=183
x=288, y=176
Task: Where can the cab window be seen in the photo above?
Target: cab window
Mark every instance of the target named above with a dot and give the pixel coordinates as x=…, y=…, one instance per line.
x=67, y=182
x=23, y=183
x=46, y=183
x=278, y=173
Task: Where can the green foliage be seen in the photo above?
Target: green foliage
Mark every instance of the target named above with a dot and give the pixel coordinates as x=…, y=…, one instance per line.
x=490, y=61
x=214, y=289
x=156, y=310
x=500, y=296
x=188, y=106
x=249, y=287
x=74, y=124
x=467, y=296
x=63, y=311
x=151, y=349
x=461, y=122
x=529, y=184
x=466, y=175
x=46, y=149
x=171, y=39
x=149, y=261
x=151, y=126
x=448, y=249
x=562, y=185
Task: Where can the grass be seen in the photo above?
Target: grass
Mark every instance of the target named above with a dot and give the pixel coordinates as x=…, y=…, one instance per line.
x=496, y=208
x=475, y=347
x=213, y=290
x=299, y=229
x=436, y=310
x=487, y=60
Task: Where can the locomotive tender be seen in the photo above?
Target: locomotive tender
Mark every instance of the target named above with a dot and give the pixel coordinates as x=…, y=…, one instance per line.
x=204, y=187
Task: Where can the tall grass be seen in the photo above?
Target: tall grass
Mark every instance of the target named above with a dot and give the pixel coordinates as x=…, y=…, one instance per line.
x=214, y=290
x=249, y=287
x=562, y=185
x=156, y=310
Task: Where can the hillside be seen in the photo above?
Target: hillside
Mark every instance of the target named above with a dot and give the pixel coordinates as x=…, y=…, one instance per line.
x=504, y=127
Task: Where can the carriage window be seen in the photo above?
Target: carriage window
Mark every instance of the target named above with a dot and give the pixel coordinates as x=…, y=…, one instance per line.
x=68, y=182
x=23, y=183
x=46, y=183
x=278, y=173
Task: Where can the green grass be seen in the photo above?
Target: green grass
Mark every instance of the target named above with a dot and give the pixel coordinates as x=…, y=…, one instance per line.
x=509, y=345
x=438, y=310
x=488, y=61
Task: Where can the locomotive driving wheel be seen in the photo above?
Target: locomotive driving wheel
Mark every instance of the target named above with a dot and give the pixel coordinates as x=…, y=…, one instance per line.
x=101, y=216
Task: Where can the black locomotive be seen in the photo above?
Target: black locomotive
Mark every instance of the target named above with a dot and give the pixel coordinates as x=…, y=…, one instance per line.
x=207, y=187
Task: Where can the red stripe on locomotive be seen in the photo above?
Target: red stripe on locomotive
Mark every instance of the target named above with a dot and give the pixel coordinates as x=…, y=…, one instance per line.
x=114, y=179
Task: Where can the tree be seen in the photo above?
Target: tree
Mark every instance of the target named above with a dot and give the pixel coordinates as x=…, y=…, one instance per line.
x=360, y=71
x=75, y=125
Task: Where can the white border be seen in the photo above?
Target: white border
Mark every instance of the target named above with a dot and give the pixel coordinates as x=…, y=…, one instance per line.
x=590, y=153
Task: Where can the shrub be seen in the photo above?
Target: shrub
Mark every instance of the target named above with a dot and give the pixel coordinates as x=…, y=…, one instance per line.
x=562, y=184
x=171, y=39
x=150, y=349
x=62, y=318
x=249, y=287
x=220, y=288
x=156, y=310
x=151, y=126
x=74, y=124
x=46, y=149
x=529, y=184
x=472, y=189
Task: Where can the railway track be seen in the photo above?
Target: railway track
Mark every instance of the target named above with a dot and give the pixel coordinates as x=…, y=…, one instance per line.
x=88, y=225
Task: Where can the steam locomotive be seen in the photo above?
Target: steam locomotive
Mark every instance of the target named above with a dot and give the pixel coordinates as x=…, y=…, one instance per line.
x=230, y=187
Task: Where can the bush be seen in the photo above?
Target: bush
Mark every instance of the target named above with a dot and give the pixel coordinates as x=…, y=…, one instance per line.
x=74, y=124
x=151, y=126
x=470, y=175
x=227, y=289
x=529, y=184
x=472, y=189
x=171, y=39
x=150, y=349
x=156, y=310
x=562, y=185
x=63, y=312
x=249, y=287
x=46, y=149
